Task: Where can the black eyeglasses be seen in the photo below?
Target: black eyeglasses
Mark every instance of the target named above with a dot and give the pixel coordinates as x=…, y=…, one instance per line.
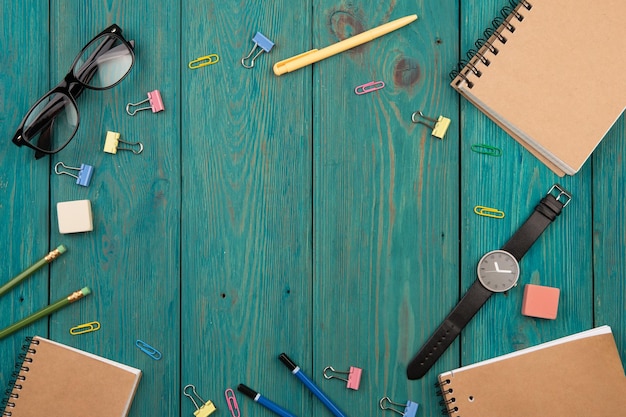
x=53, y=121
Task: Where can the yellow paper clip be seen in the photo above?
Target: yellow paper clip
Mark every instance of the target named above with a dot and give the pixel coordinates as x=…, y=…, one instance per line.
x=489, y=212
x=203, y=410
x=203, y=61
x=92, y=326
x=439, y=127
x=112, y=141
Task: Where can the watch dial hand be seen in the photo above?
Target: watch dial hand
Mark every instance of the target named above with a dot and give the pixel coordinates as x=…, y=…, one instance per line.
x=496, y=265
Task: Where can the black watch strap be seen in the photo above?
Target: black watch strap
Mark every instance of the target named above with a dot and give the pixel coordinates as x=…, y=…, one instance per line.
x=546, y=211
x=469, y=305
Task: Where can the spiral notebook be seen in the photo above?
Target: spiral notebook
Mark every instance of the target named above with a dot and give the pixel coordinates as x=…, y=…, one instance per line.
x=576, y=376
x=56, y=380
x=551, y=75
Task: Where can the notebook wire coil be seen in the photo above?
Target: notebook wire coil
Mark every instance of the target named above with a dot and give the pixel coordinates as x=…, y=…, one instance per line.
x=493, y=35
x=17, y=377
x=447, y=404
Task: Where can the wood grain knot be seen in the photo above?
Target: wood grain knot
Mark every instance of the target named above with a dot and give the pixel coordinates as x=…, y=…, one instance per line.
x=344, y=25
x=406, y=72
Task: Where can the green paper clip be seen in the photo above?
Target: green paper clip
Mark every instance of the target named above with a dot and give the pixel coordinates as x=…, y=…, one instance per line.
x=489, y=212
x=487, y=150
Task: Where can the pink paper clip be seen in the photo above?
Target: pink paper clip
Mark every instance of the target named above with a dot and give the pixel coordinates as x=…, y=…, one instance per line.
x=354, y=376
x=369, y=87
x=232, y=402
x=156, y=103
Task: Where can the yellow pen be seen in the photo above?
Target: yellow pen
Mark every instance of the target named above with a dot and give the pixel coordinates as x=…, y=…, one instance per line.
x=315, y=55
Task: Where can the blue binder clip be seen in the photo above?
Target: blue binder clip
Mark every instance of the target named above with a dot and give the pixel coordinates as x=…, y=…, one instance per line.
x=84, y=173
x=260, y=41
x=410, y=409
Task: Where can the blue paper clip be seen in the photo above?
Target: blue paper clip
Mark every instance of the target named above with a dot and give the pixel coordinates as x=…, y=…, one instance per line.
x=148, y=350
x=262, y=42
x=84, y=173
x=410, y=408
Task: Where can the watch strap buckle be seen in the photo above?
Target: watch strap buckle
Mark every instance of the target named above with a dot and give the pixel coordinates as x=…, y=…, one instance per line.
x=560, y=194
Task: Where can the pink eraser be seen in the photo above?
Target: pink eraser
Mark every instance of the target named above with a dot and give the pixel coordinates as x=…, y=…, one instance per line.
x=540, y=301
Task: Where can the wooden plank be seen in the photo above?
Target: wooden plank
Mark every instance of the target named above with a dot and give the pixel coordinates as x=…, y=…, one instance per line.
x=514, y=183
x=23, y=181
x=386, y=232
x=246, y=212
x=131, y=259
x=608, y=234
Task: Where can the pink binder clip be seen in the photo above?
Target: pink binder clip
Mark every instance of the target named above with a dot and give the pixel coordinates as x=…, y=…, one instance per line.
x=369, y=87
x=354, y=376
x=156, y=103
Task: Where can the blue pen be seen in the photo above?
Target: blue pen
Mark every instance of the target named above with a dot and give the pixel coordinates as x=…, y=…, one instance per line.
x=295, y=369
x=270, y=405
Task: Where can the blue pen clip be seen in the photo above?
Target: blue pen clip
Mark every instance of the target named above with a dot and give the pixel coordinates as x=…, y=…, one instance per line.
x=260, y=41
x=410, y=408
x=84, y=173
x=148, y=350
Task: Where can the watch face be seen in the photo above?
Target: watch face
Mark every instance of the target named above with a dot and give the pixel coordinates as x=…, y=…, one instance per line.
x=498, y=271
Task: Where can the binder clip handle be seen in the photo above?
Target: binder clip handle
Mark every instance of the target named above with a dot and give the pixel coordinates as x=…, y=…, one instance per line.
x=260, y=41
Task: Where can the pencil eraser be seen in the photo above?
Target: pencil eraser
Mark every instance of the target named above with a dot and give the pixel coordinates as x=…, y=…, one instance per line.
x=540, y=301
x=74, y=216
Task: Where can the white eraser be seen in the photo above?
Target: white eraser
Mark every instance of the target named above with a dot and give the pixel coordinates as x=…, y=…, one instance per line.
x=75, y=216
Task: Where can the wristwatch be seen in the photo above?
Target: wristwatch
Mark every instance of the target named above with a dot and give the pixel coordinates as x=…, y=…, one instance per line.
x=498, y=271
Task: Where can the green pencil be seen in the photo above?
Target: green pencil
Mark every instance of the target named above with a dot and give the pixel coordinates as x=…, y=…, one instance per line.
x=46, y=311
x=37, y=265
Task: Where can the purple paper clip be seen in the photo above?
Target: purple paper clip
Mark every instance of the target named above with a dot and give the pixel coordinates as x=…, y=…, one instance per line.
x=369, y=87
x=156, y=103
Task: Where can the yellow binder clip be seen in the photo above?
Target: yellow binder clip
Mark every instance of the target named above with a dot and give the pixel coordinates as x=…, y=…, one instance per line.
x=203, y=410
x=203, y=61
x=439, y=127
x=489, y=212
x=112, y=140
x=92, y=326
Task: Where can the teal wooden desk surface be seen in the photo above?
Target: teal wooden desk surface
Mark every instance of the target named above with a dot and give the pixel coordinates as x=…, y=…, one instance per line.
x=287, y=214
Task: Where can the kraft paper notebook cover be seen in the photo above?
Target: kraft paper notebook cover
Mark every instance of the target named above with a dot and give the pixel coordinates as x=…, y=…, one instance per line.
x=575, y=376
x=554, y=79
x=60, y=381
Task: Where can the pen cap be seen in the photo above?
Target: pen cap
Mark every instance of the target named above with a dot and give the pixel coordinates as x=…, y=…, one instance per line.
x=287, y=361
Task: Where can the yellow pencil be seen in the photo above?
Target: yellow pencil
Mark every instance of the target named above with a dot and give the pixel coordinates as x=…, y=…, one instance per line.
x=315, y=55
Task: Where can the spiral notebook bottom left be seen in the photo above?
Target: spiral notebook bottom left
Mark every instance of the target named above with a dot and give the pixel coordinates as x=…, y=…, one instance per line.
x=55, y=380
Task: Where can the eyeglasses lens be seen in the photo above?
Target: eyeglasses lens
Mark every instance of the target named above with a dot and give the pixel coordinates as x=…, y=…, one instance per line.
x=104, y=62
x=52, y=122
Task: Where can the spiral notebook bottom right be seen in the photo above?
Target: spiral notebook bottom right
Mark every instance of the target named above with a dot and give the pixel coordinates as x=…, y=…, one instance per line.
x=577, y=375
